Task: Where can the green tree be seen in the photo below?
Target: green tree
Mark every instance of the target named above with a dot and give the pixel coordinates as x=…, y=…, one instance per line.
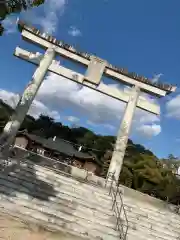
x=106, y=159
x=28, y=124
x=43, y=125
x=1, y=29
x=126, y=176
x=88, y=139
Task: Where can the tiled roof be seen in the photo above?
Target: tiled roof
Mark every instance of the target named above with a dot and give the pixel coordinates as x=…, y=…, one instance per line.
x=167, y=87
x=58, y=145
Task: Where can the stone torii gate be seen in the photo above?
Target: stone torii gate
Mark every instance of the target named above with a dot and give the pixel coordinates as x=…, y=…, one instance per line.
x=96, y=67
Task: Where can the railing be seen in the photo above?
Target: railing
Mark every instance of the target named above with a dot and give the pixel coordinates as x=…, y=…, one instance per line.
x=118, y=206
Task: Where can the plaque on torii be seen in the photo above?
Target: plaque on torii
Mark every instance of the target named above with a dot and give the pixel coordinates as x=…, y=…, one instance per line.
x=96, y=68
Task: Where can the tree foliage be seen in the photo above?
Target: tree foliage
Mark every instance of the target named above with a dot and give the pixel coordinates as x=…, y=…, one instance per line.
x=141, y=170
x=15, y=6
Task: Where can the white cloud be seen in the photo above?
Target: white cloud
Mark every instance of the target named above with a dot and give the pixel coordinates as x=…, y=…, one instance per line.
x=109, y=126
x=53, y=9
x=74, y=31
x=73, y=119
x=46, y=16
x=156, y=78
x=93, y=124
x=173, y=107
x=98, y=108
x=60, y=94
x=36, y=109
x=9, y=97
x=149, y=130
x=10, y=24
x=146, y=117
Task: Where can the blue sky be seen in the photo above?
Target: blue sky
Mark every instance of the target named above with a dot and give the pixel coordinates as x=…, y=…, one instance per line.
x=142, y=36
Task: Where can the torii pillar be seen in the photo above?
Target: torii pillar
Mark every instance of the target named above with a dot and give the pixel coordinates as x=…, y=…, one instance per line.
x=123, y=134
x=13, y=125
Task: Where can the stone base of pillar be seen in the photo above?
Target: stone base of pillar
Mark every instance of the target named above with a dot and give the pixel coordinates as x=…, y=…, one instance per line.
x=110, y=180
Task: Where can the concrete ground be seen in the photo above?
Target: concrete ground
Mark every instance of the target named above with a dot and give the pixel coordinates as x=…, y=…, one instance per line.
x=12, y=228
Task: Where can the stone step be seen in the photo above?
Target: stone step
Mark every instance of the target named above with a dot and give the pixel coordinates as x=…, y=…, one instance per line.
x=153, y=220
x=32, y=216
x=35, y=191
x=57, y=178
x=80, y=208
x=35, y=225
x=63, y=176
x=32, y=188
x=60, y=196
x=81, y=189
x=137, y=221
x=104, y=193
x=156, y=232
x=136, y=235
x=143, y=213
x=70, y=207
x=69, y=222
x=151, y=209
x=134, y=220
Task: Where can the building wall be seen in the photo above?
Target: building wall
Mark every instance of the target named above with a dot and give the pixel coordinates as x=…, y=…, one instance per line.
x=24, y=143
x=77, y=163
x=21, y=142
x=90, y=167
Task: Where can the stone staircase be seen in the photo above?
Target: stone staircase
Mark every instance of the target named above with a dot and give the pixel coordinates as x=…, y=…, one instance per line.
x=81, y=210
x=57, y=202
x=150, y=218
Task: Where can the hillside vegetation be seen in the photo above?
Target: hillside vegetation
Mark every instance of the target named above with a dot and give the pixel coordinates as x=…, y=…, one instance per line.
x=142, y=170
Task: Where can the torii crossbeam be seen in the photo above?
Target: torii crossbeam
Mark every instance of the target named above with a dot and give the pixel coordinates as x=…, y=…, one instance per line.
x=96, y=68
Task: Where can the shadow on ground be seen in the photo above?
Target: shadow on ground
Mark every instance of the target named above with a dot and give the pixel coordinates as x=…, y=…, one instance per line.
x=18, y=176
